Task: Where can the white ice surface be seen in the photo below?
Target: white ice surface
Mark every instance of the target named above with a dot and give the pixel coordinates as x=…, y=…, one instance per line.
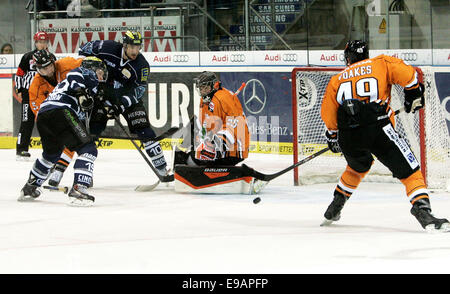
x=163, y=232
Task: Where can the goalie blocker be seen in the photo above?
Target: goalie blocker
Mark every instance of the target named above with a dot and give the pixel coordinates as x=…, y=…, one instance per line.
x=213, y=180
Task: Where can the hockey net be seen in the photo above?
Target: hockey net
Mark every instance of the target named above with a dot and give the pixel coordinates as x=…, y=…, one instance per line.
x=425, y=131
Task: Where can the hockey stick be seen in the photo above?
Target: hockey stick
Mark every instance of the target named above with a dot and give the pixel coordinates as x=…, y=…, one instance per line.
x=268, y=177
x=164, y=135
x=168, y=178
x=63, y=189
x=240, y=89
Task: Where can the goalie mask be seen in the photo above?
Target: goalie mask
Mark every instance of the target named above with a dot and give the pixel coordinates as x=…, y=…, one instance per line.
x=206, y=85
x=96, y=64
x=355, y=51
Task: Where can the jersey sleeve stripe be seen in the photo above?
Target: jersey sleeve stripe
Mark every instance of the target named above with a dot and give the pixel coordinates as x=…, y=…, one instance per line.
x=414, y=81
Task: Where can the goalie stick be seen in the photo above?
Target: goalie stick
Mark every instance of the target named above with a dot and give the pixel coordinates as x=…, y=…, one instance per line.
x=168, y=178
x=268, y=177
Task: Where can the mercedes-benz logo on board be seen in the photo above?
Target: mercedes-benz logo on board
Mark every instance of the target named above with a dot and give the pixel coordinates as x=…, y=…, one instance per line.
x=255, y=96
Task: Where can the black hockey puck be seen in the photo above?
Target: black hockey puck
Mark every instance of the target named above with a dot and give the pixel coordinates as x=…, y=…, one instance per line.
x=256, y=200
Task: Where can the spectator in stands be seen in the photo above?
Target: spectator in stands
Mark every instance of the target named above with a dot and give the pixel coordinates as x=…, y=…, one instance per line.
x=7, y=49
x=88, y=10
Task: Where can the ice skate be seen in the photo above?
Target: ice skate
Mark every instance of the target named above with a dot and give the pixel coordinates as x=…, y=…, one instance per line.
x=165, y=175
x=78, y=196
x=333, y=212
x=23, y=156
x=422, y=212
x=29, y=192
x=56, y=175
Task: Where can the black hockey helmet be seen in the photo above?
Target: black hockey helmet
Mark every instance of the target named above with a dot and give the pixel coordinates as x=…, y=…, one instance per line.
x=207, y=78
x=94, y=63
x=355, y=51
x=133, y=38
x=43, y=58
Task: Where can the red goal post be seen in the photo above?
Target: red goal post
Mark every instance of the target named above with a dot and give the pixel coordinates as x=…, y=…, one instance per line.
x=308, y=87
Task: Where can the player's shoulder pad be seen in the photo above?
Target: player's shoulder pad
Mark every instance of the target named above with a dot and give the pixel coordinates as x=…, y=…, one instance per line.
x=38, y=80
x=105, y=46
x=223, y=93
x=142, y=68
x=67, y=63
x=65, y=60
x=388, y=59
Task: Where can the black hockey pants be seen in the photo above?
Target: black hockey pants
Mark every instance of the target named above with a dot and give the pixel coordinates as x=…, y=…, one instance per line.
x=26, y=124
x=381, y=140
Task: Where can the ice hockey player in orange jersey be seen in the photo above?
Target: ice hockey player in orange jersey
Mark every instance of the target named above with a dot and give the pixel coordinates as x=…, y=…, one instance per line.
x=50, y=73
x=221, y=135
x=360, y=123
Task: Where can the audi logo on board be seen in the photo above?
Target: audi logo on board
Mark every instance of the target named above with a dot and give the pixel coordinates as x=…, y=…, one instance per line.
x=289, y=57
x=409, y=56
x=180, y=58
x=3, y=60
x=237, y=57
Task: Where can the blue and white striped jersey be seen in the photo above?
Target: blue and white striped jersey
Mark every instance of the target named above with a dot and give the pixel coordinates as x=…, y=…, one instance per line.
x=63, y=96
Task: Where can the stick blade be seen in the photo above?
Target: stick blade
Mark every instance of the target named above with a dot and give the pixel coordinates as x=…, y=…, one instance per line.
x=146, y=188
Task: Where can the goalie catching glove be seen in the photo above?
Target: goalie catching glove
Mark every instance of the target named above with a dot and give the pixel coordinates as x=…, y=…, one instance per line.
x=332, y=140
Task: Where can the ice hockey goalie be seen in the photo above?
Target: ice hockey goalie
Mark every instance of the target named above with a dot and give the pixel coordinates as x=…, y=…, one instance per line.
x=221, y=141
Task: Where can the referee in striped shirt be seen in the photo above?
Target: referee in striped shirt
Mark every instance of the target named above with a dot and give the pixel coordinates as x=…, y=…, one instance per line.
x=24, y=76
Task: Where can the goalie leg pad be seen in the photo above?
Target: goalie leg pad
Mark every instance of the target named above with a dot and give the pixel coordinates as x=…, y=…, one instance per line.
x=211, y=180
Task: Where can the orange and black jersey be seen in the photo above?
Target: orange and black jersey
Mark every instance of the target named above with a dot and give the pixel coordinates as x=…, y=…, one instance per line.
x=224, y=117
x=369, y=80
x=40, y=88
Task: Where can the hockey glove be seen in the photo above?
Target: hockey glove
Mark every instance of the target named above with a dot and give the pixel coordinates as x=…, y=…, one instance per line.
x=113, y=109
x=332, y=140
x=86, y=101
x=414, y=99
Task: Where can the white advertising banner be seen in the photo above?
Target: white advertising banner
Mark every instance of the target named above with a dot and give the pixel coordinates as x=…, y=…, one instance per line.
x=226, y=58
x=254, y=58
x=326, y=58
x=336, y=57
x=173, y=58
x=441, y=56
x=67, y=35
x=7, y=62
x=410, y=56
x=277, y=58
